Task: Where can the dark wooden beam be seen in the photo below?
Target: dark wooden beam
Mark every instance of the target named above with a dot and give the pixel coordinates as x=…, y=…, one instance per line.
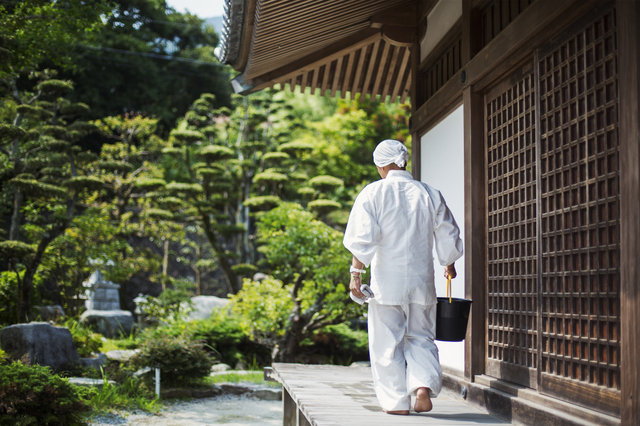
x=400, y=16
x=310, y=62
x=448, y=94
x=470, y=31
x=628, y=16
x=475, y=234
x=509, y=42
x=415, y=135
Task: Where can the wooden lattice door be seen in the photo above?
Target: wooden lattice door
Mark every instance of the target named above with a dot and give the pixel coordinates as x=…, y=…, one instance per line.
x=512, y=328
x=553, y=296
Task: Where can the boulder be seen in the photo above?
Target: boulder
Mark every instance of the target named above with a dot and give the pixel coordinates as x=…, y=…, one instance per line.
x=267, y=394
x=89, y=383
x=121, y=355
x=175, y=393
x=109, y=323
x=207, y=393
x=234, y=389
x=43, y=343
x=49, y=312
x=94, y=363
x=219, y=368
x=204, y=305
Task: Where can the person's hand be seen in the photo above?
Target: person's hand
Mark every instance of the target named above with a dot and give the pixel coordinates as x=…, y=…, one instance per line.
x=450, y=271
x=354, y=285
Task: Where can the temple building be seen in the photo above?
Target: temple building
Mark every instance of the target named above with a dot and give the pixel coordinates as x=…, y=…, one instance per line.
x=527, y=111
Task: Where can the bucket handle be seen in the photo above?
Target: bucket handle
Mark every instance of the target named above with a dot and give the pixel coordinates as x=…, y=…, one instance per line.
x=449, y=288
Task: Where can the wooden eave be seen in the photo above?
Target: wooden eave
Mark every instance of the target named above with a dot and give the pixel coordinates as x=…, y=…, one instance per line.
x=331, y=46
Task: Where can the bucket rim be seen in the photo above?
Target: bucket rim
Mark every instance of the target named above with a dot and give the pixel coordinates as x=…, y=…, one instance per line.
x=454, y=299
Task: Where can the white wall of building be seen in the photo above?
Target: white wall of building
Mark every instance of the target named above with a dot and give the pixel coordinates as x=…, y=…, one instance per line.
x=442, y=167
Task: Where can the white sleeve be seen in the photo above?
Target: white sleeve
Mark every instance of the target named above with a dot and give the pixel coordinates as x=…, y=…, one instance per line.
x=362, y=235
x=446, y=232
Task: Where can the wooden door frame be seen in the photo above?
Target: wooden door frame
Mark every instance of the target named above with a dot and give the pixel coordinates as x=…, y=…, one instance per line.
x=629, y=88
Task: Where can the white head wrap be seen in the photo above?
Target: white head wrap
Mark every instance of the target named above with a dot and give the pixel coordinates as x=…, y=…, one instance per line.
x=390, y=151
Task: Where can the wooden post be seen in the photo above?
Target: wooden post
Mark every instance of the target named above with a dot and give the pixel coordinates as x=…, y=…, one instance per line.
x=289, y=409
x=470, y=32
x=415, y=104
x=628, y=15
x=475, y=235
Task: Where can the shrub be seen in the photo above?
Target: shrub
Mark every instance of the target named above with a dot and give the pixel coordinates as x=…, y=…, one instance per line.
x=180, y=359
x=86, y=341
x=230, y=340
x=340, y=343
x=33, y=394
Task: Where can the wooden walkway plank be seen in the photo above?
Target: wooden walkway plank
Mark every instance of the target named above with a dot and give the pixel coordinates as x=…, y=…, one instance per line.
x=329, y=395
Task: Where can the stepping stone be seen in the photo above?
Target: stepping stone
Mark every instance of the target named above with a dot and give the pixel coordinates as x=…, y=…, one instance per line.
x=268, y=394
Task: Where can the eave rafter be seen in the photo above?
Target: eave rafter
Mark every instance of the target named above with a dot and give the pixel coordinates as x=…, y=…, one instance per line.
x=374, y=60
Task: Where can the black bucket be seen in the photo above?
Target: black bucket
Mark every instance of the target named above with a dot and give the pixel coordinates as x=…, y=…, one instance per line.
x=451, y=323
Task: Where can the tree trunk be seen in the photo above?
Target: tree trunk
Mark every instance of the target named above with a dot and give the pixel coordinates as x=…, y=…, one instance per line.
x=165, y=264
x=287, y=348
x=232, y=279
x=14, y=232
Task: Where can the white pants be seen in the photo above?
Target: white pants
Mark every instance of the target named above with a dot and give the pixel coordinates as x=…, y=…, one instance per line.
x=403, y=354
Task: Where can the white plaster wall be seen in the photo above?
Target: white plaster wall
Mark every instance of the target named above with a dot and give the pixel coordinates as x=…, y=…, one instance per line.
x=442, y=167
x=440, y=20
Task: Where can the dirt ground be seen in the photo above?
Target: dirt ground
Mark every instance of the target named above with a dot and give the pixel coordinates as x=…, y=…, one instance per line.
x=224, y=410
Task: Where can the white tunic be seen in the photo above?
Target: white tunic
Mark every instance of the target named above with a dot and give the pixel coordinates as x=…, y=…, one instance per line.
x=392, y=226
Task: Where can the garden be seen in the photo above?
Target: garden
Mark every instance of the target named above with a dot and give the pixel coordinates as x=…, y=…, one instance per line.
x=124, y=151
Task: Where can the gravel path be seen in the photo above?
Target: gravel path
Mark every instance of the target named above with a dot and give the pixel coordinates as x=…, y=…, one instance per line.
x=227, y=410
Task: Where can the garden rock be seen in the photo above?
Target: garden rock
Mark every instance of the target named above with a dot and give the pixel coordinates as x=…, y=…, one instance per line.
x=267, y=394
x=109, y=323
x=234, y=389
x=203, y=306
x=143, y=371
x=237, y=372
x=175, y=393
x=121, y=355
x=95, y=363
x=43, y=343
x=206, y=393
x=217, y=368
x=49, y=312
x=89, y=383
x=360, y=364
x=241, y=365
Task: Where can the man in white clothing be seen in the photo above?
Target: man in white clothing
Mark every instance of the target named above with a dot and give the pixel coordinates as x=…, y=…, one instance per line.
x=393, y=225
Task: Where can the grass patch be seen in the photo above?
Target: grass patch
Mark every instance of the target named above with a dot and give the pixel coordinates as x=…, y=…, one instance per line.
x=130, y=342
x=132, y=394
x=253, y=377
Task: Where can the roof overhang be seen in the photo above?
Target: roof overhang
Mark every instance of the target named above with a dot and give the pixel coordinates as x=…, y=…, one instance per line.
x=355, y=46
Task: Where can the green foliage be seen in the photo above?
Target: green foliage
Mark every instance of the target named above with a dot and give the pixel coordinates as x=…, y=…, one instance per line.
x=16, y=249
x=32, y=30
x=340, y=343
x=181, y=360
x=306, y=258
x=85, y=340
x=41, y=397
x=322, y=207
x=171, y=305
x=263, y=307
x=148, y=57
x=265, y=202
x=270, y=176
x=244, y=269
x=215, y=153
x=131, y=394
x=326, y=183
